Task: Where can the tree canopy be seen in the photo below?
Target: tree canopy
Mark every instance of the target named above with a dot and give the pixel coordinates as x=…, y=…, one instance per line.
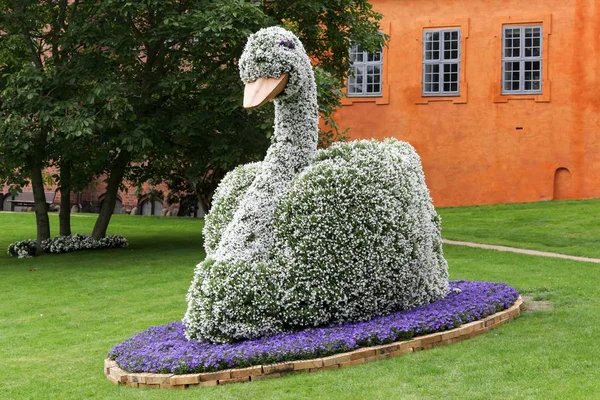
x=148, y=90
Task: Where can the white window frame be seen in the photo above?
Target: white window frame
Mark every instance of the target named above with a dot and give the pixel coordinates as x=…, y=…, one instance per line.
x=441, y=62
x=522, y=59
x=360, y=69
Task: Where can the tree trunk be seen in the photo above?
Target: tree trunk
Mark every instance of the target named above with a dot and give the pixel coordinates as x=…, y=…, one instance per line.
x=65, y=198
x=110, y=199
x=205, y=201
x=41, y=208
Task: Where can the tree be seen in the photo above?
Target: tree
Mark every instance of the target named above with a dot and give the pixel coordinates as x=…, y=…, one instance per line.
x=42, y=95
x=219, y=135
x=149, y=89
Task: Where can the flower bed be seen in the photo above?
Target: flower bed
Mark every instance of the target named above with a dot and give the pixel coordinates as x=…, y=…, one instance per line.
x=164, y=349
x=65, y=244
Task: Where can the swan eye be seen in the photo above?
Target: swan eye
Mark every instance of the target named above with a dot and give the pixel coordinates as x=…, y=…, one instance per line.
x=289, y=44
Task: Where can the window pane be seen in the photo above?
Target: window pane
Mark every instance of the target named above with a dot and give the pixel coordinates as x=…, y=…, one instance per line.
x=524, y=45
x=440, y=77
x=365, y=71
x=516, y=50
x=373, y=56
x=507, y=48
x=450, y=44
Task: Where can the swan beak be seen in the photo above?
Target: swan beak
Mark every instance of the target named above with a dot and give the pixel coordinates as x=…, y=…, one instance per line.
x=264, y=90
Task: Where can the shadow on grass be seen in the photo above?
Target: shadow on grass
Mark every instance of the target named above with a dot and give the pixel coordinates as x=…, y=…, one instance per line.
x=166, y=242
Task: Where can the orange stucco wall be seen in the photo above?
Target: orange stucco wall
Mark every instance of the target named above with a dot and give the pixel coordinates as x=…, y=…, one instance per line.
x=482, y=147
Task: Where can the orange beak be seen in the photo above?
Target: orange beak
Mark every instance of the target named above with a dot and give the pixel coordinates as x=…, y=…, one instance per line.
x=263, y=90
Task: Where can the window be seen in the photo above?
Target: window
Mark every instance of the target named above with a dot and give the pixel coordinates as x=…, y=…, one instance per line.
x=365, y=72
x=522, y=59
x=441, y=62
x=151, y=207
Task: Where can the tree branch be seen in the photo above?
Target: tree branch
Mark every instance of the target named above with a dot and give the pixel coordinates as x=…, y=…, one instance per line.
x=35, y=55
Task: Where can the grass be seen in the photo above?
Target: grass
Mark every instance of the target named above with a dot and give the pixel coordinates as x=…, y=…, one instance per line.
x=568, y=227
x=60, y=314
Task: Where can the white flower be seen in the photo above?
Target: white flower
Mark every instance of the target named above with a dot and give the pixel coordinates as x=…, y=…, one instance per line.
x=65, y=244
x=305, y=238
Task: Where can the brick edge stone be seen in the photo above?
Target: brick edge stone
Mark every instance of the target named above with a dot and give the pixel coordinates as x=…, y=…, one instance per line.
x=260, y=372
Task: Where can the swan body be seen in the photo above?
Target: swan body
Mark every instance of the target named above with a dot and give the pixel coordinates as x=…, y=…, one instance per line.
x=307, y=238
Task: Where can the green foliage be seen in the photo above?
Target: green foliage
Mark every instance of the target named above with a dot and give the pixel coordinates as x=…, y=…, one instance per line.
x=216, y=134
x=90, y=84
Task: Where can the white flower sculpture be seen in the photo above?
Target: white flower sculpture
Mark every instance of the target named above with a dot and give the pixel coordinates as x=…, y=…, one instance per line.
x=307, y=238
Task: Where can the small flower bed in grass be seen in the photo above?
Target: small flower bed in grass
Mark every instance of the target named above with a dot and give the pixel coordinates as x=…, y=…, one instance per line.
x=65, y=244
x=164, y=349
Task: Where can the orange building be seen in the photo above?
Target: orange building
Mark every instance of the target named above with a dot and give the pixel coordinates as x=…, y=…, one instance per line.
x=501, y=98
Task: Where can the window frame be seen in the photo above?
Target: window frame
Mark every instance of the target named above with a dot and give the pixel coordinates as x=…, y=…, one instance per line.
x=365, y=64
x=522, y=59
x=441, y=62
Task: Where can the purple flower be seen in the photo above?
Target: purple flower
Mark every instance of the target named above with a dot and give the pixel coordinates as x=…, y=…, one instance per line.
x=164, y=349
x=288, y=43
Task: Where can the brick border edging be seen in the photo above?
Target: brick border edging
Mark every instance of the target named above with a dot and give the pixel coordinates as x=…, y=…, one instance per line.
x=359, y=356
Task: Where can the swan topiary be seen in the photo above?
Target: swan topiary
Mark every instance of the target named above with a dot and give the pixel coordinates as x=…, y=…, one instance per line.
x=307, y=238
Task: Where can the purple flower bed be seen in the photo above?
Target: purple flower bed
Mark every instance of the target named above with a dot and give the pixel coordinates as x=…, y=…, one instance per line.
x=164, y=349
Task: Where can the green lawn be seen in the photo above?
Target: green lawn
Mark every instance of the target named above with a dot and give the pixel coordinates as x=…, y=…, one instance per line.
x=60, y=314
x=568, y=227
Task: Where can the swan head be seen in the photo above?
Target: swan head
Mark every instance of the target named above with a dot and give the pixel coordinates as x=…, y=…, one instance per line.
x=273, y=64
